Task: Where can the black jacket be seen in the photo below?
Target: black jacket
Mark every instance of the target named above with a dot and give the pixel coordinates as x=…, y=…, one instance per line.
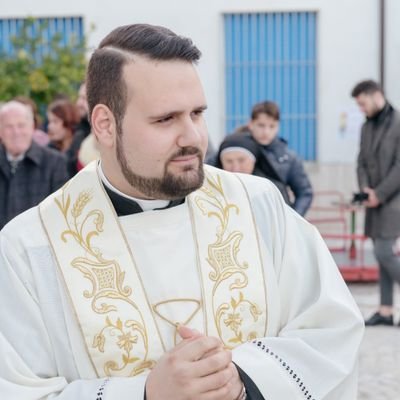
x=281, y=166
x=286, y=170
x=41, y=172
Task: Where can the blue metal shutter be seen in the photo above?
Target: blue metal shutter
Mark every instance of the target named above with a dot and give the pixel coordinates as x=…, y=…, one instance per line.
x=272, y=56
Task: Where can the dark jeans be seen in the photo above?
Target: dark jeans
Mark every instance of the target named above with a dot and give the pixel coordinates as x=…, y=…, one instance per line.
x=389, y=268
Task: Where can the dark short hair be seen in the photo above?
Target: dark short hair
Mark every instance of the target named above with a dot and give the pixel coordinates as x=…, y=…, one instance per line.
x=266, y=107
x=366, y=87
x=105, y=82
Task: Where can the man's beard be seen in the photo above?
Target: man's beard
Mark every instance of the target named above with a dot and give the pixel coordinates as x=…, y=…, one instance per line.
x=169, y=186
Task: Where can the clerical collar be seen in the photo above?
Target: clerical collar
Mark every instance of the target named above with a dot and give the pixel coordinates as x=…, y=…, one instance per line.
x=126, y=205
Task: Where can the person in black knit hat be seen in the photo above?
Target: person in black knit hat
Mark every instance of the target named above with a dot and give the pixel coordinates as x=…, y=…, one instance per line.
x=238, y=153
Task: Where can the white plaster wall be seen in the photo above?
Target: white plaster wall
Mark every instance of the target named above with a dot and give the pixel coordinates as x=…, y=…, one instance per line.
x=347, y=47
x=392, y=69
x=348, y=51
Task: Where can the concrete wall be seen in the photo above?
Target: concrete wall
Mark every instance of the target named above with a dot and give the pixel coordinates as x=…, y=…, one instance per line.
x=347, y=50
x=392, y=69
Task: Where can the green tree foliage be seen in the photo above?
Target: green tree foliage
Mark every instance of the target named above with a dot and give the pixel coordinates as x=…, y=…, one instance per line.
x=42, y=67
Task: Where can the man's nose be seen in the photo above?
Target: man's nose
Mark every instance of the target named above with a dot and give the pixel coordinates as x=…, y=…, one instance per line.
x=190, y=133
x=14, y=130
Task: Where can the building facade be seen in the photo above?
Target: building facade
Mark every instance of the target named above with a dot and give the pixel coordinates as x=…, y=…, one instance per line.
x=304, y=54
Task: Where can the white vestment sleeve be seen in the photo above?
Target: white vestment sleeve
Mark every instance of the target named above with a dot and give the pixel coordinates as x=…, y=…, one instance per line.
x=312, y=354
x=28, y=369
x=18, y=382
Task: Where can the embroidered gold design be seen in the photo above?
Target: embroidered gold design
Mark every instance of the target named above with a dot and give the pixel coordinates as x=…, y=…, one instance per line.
x=234, y=318
x=105, y=277
x=126, y=340
x=107, y=280
x=176, y=324
x=227, y=270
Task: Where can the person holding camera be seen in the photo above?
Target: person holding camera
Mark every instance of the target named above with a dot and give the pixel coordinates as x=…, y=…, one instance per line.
x=378, y=171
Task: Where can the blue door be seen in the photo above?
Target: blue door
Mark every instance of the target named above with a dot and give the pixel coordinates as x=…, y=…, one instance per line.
x=272, y=56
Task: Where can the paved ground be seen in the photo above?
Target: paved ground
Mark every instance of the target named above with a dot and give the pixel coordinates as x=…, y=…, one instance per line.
x=379, y=377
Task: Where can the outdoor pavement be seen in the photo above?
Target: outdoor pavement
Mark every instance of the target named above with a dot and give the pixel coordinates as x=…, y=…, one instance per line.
x=379, y=370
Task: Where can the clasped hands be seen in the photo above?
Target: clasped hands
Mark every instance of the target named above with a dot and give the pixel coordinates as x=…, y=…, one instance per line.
x=198, y=368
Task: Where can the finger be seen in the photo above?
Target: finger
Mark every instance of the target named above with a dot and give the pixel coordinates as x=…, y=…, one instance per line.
x=181, y=344
x=212, y=352
x=194, y=349
x=212, y=364
x=211, y=383
x=230, y=390
x=188, y=333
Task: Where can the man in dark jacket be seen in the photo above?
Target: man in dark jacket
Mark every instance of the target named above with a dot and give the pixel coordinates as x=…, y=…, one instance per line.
x=378, y=170
x=276, y=161
x=28, y=172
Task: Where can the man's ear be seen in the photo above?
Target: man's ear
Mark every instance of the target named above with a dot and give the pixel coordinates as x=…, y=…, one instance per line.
x=103, y=125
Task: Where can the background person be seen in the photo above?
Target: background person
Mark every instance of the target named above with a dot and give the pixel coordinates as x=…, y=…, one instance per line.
x=28, y=172
x=39, y=136
x=238, y=153
x=84, y=139
x=83, y=129
x=378, y=172
x=88, y=151
x=63, y=119
x=82, y=106
x=279, y=164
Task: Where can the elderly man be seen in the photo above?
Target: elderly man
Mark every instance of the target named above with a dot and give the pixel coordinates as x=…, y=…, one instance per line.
x=151, y=276
x=28, y=172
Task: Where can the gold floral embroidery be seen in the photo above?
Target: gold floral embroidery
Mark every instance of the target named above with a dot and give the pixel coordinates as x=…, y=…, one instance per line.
x=227, y=270
x=233, y=321
x=107, y=280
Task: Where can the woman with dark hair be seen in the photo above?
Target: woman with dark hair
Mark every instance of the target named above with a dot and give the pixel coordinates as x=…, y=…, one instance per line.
x=63, y=118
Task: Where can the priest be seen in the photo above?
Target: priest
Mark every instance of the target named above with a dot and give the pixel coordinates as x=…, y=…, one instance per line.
x=150, y=275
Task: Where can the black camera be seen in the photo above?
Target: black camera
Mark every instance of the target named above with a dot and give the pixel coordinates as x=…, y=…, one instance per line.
x=359, y=197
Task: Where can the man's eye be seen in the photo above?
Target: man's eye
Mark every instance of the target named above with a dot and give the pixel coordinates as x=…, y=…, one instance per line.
x=198, y=112
x=165, y=119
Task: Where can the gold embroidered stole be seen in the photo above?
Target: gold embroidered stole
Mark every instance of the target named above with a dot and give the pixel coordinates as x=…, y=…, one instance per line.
x=106, y=290
x=102, y=280
x=230, y=265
